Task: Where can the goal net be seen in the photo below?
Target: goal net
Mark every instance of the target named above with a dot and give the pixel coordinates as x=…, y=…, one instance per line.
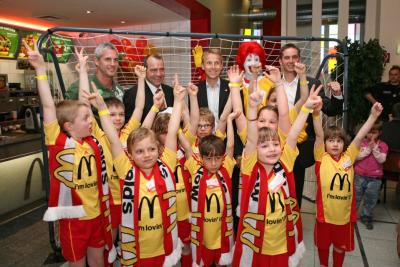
x=176, y=50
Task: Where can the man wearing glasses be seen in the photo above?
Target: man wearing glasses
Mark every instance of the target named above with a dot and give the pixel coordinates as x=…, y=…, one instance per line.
x=106, y=69
x=155, y=74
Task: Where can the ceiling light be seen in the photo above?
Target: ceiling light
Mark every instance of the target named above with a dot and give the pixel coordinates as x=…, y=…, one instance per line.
x=123, y=21
x=89, y=11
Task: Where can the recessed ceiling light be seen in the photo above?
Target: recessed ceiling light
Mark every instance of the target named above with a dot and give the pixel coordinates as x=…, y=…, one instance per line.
x=123, y=21
x=89, y=11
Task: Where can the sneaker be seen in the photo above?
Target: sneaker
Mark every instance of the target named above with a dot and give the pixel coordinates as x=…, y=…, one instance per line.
x=369, y=225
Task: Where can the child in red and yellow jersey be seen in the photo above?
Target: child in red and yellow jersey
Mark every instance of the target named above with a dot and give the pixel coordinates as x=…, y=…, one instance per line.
x=149, y=235
x=270, y=230
x=211, y=199
x=336, y=200
x=78, y=185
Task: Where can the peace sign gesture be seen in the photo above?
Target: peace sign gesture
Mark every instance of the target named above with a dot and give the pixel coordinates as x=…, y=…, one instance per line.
x=34, y=57
x=314, y=100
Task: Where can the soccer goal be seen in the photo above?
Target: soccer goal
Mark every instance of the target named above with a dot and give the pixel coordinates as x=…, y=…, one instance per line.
x=58, y=45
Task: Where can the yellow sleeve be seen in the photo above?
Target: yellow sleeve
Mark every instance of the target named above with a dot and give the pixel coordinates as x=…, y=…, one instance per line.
x=132, y=125
x=51, y=131
x=229, y=164
x=243, y=135
x=97, y=132
x=122, y=165
x=248, y=162
x=319, y=152
x=192, y=165
x=352, y=151
x=289, y=156
x=189, y=136
x=219, y=134
x=169, y=158
x=282, y=137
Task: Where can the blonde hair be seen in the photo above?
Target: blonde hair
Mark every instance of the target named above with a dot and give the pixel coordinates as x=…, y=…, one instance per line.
x=267, y=134
x=138, y=135
x=214, y=51
x=207, y=115
x=67, y=111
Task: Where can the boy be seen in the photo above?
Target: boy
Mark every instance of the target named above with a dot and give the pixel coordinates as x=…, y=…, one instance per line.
x=78, y=186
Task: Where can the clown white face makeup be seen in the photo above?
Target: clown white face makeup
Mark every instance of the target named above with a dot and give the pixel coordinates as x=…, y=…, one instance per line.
x=251, y=60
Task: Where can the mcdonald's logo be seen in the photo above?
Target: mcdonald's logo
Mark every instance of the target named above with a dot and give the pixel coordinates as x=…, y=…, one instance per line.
x=341, y=180
x=208, y=203
x=88, y=162
x=272, y=199
x=29, y=177
x=150, y=205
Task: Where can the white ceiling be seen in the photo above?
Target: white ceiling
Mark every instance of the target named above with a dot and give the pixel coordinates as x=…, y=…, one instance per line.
x=72, y=13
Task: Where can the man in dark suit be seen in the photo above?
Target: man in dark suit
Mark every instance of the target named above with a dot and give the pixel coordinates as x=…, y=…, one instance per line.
x=289, y=55
x=213, y=92
x=155, y=74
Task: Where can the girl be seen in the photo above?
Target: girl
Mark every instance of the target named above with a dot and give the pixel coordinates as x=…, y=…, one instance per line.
x=335, y=201
x=270, y=231
x=149, y=233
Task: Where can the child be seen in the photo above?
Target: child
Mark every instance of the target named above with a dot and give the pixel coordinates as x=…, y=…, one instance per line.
x=212, y=221
x=270, y=231
x=78, y=185
x=335, y=201
x=117, y=114
x=369, y=172
x=149, y=235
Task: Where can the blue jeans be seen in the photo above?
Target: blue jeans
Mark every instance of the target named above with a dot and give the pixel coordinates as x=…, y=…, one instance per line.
x=369, y=188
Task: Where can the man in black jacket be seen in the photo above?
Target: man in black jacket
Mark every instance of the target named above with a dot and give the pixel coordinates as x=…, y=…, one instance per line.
x=155, y=74
x=289, y=55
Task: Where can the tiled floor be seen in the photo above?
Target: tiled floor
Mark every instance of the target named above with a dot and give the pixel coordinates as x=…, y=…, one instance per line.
x=25, y=241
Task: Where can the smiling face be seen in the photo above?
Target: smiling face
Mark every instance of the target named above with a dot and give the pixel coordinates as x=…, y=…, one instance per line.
x=212, y=65
x=155, y=72
x=288, y=58
x=107, y=64
x=267, y=118
x=144, y=153
x=269, y=152
x=251, y=60
x=117, y=114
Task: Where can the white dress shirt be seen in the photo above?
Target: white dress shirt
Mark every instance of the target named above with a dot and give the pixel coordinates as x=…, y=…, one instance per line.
x=153, y=90
x=290, y=90
x=213, y=99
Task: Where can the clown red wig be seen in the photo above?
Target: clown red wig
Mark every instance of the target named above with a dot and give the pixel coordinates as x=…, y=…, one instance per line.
x=247, y=48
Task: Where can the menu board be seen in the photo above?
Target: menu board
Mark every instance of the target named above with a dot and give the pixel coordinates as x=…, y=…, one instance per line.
x=61, y=46
x=30, y=38
x=9, y=40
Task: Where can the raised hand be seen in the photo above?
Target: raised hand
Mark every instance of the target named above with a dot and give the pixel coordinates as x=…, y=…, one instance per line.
x=158, y=99
x=95, y=99
x=314, y=100
x=232, y=116
x=235, y=75
x=335, y=88
x=256, y=98
x=300, y=68
x=318, y=107
x=192, y=89
x=179, y=91
x=140, y=71
x=197, y=52
x=274, y=74
x=82, y=59
x=376, y=110
x=34, y=57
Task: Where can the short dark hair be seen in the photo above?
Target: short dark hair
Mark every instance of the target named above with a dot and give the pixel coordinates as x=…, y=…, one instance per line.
x=378, y=125
x=395, y=67
x=212, y=146
x=287, y=46
x=156, y=56
x=113, y=102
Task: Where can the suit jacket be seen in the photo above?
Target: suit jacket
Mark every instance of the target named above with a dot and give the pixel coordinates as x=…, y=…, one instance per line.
x=223, y=95
x=130, y=98
x=332, y=107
